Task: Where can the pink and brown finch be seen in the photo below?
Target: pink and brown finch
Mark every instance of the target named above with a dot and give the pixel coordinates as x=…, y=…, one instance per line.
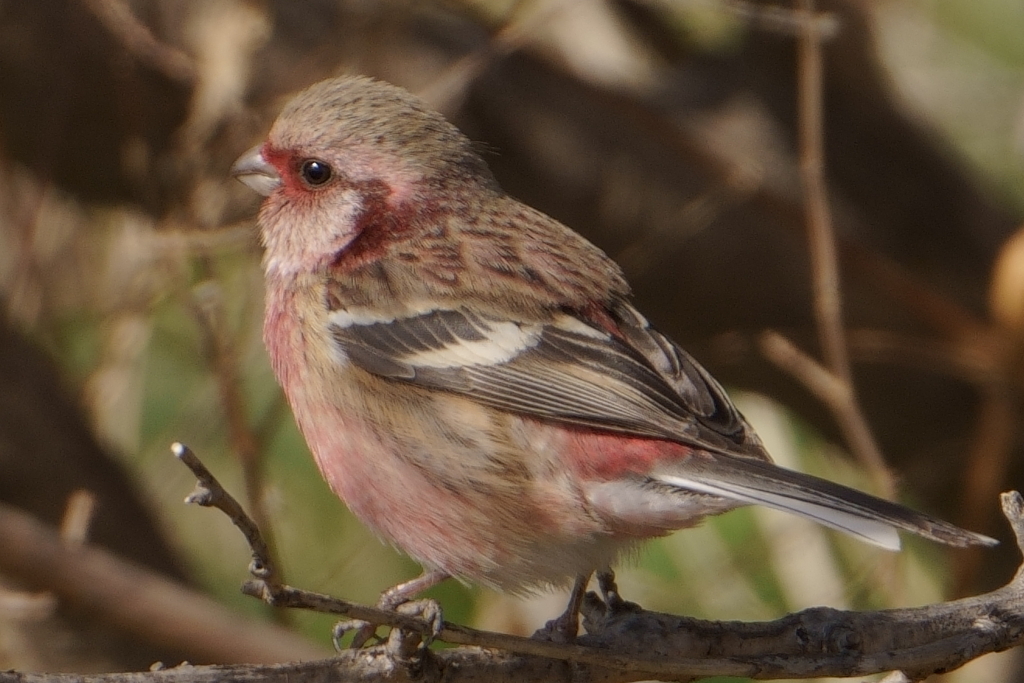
x=470, y=374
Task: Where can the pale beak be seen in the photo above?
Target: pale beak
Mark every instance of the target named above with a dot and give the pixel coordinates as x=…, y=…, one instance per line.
x=253, y=170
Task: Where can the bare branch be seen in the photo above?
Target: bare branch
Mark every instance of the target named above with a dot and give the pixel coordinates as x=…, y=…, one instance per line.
x=210, y=493
x=140, y=41
x=828, y=308
x=623, y=645
x=838, y=395
x=209, y=306
x=988, y=464
x=620, y=646
x=931, y=354
x=78, y=515
x=136, y=599
x=448, y=88
x=782, y=20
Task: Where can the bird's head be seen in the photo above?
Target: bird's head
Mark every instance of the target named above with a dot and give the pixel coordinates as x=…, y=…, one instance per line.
x=350, y=152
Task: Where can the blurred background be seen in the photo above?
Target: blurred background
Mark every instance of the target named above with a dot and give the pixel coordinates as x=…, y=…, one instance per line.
x=663, y=130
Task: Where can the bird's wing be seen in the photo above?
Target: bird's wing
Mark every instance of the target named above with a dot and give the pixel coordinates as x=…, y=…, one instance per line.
x=636, y=382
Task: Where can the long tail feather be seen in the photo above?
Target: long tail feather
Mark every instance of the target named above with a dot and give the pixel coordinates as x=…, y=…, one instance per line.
x=861, y=515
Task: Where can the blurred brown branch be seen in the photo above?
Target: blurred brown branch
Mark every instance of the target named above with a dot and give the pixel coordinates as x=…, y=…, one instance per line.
x=835, y=392
x=989, y=464
x=155, y=608
x=117, y=16
x=828, y=308
x=825, y=279
x=782, y=20
x=448, y=88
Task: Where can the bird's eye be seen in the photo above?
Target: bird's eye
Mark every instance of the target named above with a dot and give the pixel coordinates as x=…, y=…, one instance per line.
x=315, y=172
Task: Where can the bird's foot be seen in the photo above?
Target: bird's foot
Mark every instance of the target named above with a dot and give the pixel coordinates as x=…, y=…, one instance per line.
x=364, y=631
x=599, y=611
x=614, y=604
x=566, y=627
x=403, y=643
x=399, y=599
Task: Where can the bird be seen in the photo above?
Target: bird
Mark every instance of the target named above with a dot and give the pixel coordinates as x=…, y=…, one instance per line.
x=471, y=375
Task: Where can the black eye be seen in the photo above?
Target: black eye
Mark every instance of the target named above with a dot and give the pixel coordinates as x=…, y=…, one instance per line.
x=315, y=172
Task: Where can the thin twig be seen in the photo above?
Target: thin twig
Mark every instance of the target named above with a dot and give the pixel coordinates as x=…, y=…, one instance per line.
x=78, y=516
x=463, y=635
x=821, y=237
x=932, y=354
x=782, y=20
x=209, y=306
x=950, y=318
x=838, y=395
x=244, y=440
x=828, y=307
x=136, y=37
x=446, y=91
x=987, y=465
x=210, y=493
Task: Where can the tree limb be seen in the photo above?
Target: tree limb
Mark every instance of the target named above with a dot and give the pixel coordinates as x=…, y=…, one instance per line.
x=620, y=646
x=814, y=642
x=139, y=600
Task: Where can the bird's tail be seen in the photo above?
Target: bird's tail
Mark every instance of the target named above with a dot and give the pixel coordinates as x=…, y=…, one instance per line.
x=863, y=516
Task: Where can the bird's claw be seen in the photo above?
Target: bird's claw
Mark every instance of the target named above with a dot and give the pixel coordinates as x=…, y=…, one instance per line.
x=364, y=631
x=398, y=640
x=564, y=629
x=614, y=604
x=404, y=643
